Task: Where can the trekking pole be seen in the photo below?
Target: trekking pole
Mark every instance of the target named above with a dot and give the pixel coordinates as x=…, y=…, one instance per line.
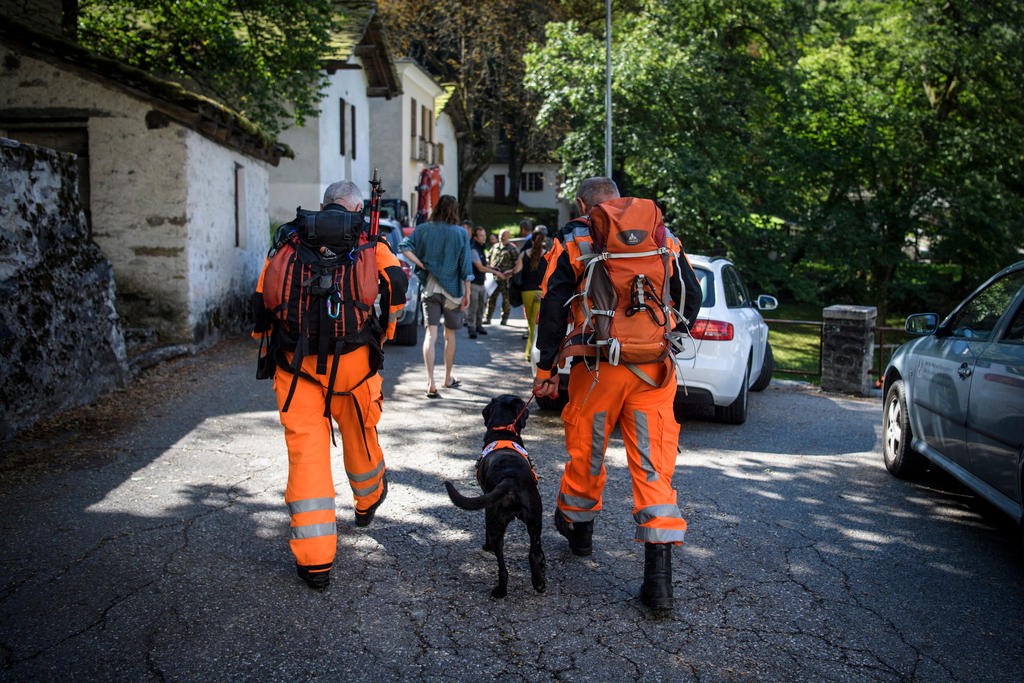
x=375, y=192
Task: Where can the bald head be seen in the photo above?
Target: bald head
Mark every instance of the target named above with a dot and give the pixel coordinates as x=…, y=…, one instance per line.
x=595, y=190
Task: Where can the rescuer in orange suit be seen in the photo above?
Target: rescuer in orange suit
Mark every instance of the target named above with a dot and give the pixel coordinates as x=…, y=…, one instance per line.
x=355, y=407
x=644, y=413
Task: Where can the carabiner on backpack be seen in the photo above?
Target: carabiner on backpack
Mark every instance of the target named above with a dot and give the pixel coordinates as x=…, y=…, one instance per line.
x=334, y=304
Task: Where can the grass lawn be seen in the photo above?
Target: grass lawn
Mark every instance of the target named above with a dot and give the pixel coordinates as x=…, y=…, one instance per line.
x=798, y=347
x=495, y=217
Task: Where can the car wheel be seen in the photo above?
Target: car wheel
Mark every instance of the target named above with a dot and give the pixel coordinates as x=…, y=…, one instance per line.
x=406, y=335
x=900, y=459
x=767, y=368
x=736, y=412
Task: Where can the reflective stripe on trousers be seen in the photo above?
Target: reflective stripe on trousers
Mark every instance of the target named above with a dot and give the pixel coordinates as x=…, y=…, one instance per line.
x=651, y=437
x=310, y=490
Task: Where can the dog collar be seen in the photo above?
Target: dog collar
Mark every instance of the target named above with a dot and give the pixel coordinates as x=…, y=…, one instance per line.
x=503, y=443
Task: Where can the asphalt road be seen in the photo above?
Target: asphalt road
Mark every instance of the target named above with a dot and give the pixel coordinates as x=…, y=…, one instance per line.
x=145, y=538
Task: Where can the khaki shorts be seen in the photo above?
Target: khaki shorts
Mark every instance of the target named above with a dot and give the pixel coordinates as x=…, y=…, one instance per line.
x=434, y=308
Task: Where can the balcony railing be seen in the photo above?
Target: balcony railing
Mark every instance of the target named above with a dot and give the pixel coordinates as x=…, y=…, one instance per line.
x=423, y=150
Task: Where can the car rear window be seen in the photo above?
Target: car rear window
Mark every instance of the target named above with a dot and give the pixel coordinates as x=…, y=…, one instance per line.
x=707, y=285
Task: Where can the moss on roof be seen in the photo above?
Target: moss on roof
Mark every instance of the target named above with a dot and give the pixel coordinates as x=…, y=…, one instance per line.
x=207, y=116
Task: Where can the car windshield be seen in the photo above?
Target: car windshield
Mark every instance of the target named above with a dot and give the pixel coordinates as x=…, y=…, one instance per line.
x=707, y=286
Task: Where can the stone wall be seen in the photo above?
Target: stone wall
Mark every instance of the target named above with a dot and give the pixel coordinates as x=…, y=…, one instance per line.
x=60, y=336
x=847, y=349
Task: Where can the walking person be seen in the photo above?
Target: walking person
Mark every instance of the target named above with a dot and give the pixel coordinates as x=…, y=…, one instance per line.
x=530, y=267
x=603, y=391
x=308, y=394
x=440, y=251
x=503, y=259
x=477, y=295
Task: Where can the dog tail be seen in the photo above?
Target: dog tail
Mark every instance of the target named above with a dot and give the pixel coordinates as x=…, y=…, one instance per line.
x=480, y=502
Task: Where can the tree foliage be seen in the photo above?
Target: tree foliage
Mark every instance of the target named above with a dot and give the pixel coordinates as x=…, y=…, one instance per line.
x=260, y=57
x=476, y=47
x=820, y=144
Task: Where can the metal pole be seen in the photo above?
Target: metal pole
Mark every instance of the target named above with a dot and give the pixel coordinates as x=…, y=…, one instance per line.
x=608, y=88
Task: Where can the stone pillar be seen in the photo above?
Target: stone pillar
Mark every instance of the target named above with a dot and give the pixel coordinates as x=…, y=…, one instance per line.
x=847, y=347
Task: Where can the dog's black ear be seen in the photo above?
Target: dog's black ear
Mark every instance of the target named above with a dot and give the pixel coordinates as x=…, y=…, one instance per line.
x=488, y=409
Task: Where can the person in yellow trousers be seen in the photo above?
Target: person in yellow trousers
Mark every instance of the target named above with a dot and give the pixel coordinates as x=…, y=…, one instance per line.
x=352, y=387
x=603, y=395
x=530, y=267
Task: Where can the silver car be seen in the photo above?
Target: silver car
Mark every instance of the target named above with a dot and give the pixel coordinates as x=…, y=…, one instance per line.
x=955, y=396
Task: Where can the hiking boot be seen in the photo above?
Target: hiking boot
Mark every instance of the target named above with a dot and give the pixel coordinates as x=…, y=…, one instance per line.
x=579, y=534
x=504, y=320
x=472, y=334
x=364, y=518
x=487, y=320
x=317, y=580
x=481, y=330
x=656, y=591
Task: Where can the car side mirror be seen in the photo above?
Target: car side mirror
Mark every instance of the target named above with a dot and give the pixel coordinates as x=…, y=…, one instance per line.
x=922, y=323
x=766, y=302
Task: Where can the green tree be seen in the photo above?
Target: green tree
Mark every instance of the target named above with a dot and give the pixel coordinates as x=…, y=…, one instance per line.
x=260, y=57
x=912, y=130
x=695, y=87
x=819, y=141
x=476, y=47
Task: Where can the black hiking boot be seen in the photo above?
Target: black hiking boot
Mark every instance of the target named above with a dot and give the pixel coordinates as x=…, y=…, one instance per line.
x=364, y=518
x=579, y=534
x=656, y=591
x=317, y=580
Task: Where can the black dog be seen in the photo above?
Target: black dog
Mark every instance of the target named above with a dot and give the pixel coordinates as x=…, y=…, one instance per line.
x=510, y=488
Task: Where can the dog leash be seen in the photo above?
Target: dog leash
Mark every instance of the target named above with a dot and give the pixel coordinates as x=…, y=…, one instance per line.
x=512, y=427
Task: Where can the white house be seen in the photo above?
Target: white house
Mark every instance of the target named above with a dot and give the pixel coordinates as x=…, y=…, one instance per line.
x=539, y=187
x=175, y=185
x=409, y=133
x=336, y=145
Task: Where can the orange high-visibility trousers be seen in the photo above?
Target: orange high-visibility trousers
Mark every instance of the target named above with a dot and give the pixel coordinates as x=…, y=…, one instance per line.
x=310, y=491
x=651, y=436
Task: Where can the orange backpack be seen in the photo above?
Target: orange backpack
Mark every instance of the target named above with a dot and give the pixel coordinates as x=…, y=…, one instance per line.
x=622, y=311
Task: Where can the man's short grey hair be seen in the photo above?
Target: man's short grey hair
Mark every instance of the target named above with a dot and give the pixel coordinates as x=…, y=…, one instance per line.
x=344, y=192
x=595, y=190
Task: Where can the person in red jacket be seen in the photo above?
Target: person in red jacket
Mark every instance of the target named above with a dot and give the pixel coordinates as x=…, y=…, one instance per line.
x=603, y=395
x=355, y=406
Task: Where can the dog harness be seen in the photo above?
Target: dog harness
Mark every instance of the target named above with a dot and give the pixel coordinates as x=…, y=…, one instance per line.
x=503, y=444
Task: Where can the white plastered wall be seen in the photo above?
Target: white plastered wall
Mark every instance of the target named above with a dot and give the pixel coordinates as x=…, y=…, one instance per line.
x=318, y=160
x=391, y=133
x=224, y=257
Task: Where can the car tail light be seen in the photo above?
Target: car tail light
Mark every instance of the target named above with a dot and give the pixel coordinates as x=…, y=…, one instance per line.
x=712, y=330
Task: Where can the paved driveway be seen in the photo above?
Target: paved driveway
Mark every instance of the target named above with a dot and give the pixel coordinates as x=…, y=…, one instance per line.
x=145, y=539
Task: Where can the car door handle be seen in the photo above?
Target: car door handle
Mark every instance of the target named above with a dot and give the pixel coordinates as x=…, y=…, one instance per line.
x=964, y=371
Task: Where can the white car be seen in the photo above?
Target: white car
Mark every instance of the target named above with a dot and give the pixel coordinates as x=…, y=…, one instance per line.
x=728, y=353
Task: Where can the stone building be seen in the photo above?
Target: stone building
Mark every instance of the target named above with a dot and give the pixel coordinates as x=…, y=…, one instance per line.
x=175, y=186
